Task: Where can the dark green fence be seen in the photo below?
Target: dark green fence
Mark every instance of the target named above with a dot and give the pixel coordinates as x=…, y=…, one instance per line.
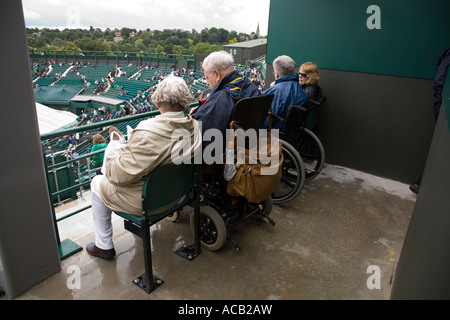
x=113, y=57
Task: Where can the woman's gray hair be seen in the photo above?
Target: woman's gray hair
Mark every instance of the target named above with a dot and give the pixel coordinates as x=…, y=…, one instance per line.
x=284, y=66
x=172, y=93
x=220, y=60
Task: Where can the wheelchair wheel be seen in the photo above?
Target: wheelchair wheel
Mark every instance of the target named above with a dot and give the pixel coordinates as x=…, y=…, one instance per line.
x=293, y=175
x=312, y=152
x=174, y=216
x=213, y=231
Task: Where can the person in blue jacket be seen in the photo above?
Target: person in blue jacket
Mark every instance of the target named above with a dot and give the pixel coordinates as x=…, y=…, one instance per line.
x=228, y=87
x=286, y=89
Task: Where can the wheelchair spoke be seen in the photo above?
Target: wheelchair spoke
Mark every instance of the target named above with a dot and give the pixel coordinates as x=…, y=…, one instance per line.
x=289, y=182
x=312, y=152
x=208, y=230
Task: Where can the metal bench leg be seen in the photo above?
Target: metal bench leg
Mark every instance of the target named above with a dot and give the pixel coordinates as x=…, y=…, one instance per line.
x=192, y=251
x=147, y=281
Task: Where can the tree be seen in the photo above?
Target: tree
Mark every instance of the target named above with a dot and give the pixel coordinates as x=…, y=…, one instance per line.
x=232, y=35
x=88, y=44
x=222, y=36
x=159, y=49
x=140, y=46
x=166, y=41
x=70, y=46
x=58, y=42
x=125, y=32
x=130, y=47
x=97, y=34
x=177, y=49
x=206, y=48
x=204, y=35
x=41, y=41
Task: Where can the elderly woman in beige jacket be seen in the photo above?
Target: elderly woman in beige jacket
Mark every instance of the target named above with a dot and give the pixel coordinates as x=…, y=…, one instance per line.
x=127, y=165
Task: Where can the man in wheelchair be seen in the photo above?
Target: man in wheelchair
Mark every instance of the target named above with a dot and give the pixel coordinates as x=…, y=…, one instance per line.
x=287, y=90
x=220, y=209
x=228, y=87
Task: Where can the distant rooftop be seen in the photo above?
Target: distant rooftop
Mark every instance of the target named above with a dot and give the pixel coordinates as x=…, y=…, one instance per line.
x=247, y=44
x=95, y=98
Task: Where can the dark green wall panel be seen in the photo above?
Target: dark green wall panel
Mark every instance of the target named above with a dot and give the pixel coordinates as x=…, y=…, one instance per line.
x=334, y=34
x=377, y=124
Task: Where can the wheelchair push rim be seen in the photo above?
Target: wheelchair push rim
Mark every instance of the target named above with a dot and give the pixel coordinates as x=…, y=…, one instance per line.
x=293, y=175
x=312, y=152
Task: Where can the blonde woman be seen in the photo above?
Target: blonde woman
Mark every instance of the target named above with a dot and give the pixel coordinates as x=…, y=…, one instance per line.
x=309, y=79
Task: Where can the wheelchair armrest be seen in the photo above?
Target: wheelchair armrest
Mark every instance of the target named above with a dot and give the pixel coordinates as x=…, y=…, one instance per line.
x=313, y=102
x=300, y=108
x=318, y=103
x=276, y=117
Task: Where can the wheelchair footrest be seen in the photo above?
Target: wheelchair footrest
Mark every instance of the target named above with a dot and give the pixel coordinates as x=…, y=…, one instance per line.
x=236, y=245
x=189, y=252
x=271, y=221
x=144, y=283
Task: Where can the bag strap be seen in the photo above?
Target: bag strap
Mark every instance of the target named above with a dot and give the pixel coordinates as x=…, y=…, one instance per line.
x=269, y=130
x=270, y=117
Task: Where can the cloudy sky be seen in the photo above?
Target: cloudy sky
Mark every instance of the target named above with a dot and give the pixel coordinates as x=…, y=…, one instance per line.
x=238, y=15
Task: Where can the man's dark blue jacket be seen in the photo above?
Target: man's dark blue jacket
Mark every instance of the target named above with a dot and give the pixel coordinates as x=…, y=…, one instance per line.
x=287, y=92
x=216, y=112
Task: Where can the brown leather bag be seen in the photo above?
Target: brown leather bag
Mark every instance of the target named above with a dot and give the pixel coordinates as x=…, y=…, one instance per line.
x=256, y=177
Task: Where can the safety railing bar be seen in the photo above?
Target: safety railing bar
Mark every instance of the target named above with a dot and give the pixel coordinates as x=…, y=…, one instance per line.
x=65, y=163
x=74, y=213
x=75, y=186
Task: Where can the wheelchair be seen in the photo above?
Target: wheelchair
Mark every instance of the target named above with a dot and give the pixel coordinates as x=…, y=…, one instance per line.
x=305, y=141
x=219, y=211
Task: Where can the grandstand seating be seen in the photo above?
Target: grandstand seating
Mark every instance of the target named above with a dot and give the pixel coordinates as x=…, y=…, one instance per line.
x=51, y=77
x=132, y=79
x=199, y=85
x=129, y=70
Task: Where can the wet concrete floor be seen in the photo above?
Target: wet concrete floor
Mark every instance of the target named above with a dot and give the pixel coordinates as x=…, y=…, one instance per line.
x=326, y=244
